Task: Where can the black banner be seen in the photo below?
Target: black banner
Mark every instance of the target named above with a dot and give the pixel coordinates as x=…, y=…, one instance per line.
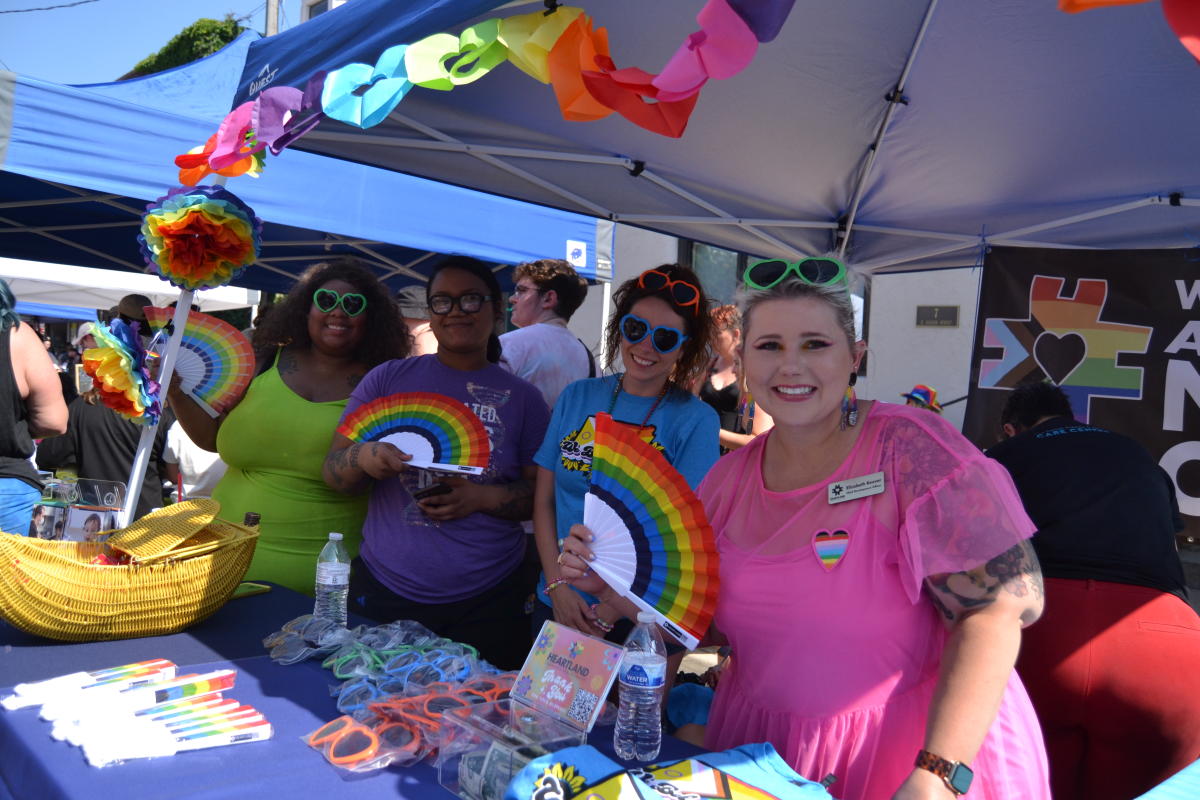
x=1118, y=330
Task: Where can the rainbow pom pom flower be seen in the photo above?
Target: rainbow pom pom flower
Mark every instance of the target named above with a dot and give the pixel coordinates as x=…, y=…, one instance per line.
x=201, y=237
x=118, y=370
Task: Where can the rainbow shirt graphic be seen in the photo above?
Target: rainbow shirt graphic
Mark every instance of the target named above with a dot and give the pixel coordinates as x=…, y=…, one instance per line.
x=1064, y=339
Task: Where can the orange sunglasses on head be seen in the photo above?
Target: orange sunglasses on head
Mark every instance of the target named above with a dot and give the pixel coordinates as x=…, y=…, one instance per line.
x=682, y=293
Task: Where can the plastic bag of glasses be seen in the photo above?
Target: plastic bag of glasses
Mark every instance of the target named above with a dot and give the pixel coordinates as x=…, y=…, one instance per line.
x=482, y=747
x=400, y=729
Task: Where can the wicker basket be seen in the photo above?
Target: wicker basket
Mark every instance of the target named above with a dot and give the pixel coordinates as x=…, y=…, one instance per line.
x=50, y=589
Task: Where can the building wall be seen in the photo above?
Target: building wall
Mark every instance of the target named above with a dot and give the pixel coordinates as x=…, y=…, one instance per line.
x=902, y=355
x=634, y=251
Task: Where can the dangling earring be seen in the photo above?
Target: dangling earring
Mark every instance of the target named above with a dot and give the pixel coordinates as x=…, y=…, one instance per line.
x=850, y=404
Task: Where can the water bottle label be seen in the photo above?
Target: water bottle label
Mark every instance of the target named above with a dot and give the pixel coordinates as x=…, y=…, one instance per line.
x=648, y=676
x=333, y=574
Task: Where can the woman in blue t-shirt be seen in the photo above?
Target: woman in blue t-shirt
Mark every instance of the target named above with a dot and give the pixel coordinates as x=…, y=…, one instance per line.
x=661, y=327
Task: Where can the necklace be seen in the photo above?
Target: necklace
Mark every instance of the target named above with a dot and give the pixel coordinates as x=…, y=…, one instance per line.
x=617, y=391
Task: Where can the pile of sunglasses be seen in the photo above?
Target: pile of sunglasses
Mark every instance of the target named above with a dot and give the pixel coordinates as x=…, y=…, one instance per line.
x=308, y=637
x=371, y=674
x=404, y=728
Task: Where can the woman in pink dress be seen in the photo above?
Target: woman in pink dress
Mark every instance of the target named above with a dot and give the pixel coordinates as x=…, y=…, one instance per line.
x=875, y=573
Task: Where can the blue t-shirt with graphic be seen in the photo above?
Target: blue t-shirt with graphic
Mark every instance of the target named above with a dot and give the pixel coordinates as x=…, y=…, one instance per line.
x=682, y=427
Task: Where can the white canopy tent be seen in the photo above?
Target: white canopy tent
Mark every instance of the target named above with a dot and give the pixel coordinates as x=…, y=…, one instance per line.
x=84, y=287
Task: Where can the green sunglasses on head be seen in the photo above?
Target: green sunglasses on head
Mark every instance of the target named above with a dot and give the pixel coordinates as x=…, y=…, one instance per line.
x=326, y=300
x=770, y=272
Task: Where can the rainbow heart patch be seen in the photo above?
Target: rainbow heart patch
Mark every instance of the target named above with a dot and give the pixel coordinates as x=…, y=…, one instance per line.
x=830, y=547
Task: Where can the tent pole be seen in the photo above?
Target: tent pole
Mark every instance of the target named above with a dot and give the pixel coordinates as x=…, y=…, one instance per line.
x=895, y=98
x=433, y=133
x=1009, y=237
x=679, y=191
x=76, y=245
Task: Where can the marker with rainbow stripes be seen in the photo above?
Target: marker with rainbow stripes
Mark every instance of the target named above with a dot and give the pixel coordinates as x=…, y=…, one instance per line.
x=137, y=698
x=41, y=692
x=163, y=742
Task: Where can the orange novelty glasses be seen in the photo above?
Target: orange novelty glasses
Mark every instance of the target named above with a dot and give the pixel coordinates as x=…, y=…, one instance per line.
x=349, y=743
x=682, y=293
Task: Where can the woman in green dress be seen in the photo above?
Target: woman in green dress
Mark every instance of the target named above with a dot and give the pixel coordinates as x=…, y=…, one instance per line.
x=336, y=323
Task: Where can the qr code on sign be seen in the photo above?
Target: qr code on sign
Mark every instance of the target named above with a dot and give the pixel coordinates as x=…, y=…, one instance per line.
x=582, y=706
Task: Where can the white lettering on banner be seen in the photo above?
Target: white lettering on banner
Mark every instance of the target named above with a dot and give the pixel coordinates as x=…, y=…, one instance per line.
x=263, y=79
x=1182, y=380
x=1188, y=339
x=1171, y=461
x=1188, y=296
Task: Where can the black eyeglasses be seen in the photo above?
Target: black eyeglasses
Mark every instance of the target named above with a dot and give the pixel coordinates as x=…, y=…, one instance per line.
x=664, y=338
x=471, y=302
x=327, y=300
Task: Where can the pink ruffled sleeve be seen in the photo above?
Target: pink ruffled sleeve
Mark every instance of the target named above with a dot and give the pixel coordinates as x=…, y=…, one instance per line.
x=958, y=508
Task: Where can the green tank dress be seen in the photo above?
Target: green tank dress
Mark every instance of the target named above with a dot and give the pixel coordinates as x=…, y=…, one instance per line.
x=274, y=442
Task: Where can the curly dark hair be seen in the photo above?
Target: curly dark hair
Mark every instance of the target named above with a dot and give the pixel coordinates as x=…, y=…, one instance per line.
x=697, y=321
x=384, y=337
x=1029, y=402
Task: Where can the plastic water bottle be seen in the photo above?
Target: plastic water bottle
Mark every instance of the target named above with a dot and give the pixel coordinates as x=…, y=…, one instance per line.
x=333, y=581
x=642, y=678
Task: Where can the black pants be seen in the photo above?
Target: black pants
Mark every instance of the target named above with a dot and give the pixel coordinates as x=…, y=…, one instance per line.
x=494, y=621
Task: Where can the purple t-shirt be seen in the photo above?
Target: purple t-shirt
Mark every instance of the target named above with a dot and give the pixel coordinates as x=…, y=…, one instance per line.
x=442, y=562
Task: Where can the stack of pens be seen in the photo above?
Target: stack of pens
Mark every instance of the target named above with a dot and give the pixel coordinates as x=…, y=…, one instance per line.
x=142, y=710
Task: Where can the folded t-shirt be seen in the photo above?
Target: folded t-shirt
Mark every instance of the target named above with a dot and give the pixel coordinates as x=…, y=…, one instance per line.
x=749, y=772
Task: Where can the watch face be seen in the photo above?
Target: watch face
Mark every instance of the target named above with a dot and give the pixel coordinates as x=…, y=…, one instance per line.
x=960, y=778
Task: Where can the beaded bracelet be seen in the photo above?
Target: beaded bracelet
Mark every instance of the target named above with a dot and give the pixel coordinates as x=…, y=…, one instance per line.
x=599, y=623
x=553, y=584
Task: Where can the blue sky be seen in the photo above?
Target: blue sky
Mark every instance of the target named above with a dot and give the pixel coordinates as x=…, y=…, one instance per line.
x=102, y=40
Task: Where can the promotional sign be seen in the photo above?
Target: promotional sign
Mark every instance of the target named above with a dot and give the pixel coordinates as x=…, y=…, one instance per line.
x=567, y=675
x=1118, y=331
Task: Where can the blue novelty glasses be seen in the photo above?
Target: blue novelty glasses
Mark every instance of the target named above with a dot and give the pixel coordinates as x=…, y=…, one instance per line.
x=665, y=339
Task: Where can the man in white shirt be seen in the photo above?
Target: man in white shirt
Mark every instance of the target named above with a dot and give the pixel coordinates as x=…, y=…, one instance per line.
x=543, y=351
x=194, y=471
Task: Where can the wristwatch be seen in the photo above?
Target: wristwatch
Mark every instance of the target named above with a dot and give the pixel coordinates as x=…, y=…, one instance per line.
x=956, y=775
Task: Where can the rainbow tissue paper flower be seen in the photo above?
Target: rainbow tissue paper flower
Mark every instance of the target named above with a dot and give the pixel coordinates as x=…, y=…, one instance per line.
x=200, y=237
x=118, y=369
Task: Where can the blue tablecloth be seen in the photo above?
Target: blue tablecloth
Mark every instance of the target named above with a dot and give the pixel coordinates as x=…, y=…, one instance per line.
x=295, y=699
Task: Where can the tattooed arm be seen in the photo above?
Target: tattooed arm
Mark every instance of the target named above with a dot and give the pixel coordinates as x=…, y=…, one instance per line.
x=985, y=609
x=513, y=501
x=350, y=466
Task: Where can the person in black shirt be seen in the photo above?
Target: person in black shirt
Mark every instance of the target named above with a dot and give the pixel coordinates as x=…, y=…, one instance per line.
x=1113, y=667
x=101, y=444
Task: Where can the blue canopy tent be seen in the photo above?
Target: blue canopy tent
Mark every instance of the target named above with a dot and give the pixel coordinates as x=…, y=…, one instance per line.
x=905, y=133
x=78, y=166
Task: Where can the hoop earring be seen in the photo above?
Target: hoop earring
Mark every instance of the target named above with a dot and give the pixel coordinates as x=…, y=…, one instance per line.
x=850, y=405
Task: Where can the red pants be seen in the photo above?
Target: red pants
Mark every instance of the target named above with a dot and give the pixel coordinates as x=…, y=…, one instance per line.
x=1114, y=674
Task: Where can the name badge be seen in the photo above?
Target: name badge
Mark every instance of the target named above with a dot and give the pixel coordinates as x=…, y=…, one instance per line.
x=855, y=488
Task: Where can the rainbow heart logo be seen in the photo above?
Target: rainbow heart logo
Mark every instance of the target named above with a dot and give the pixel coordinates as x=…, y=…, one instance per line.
x=830, y=547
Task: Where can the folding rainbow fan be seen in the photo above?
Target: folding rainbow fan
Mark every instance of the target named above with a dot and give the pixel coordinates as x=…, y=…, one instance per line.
x=653, y=543
x=215, y=363
x=439, y=432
